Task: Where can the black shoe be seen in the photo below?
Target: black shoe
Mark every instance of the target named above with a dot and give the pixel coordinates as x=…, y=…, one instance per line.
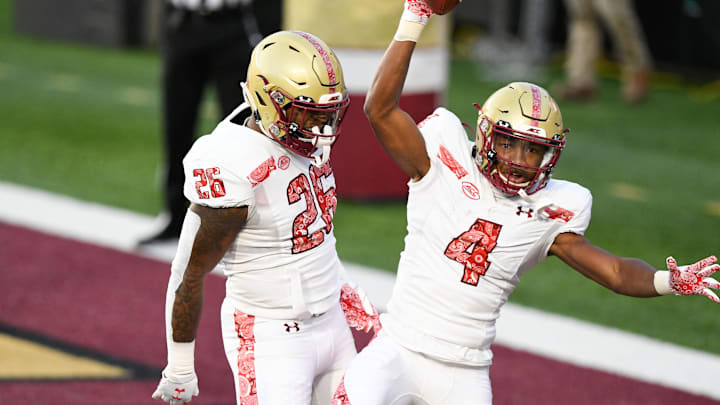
x=169, y=233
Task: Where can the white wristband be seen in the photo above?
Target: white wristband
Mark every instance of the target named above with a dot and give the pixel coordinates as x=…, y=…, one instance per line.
x=661, y=281
x=181, y=357
x=408, y=31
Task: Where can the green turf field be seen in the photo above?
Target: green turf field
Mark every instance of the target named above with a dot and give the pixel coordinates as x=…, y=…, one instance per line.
x=84, y=121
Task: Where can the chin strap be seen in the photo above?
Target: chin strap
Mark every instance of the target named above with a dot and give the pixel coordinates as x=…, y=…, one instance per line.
x=524, y=195
x=253, y=108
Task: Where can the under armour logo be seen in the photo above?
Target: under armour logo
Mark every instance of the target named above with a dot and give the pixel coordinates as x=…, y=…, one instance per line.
x=521, y=211
x=179, y=391
x=293, y=127
x=294, y=325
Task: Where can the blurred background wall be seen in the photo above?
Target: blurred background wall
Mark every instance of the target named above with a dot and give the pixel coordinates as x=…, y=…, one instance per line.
x=359, y=33
x=683, y=35
x=103, y=22
x=515, y=39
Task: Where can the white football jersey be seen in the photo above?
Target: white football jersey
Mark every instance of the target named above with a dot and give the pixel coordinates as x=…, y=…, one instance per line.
x=283, y=263
x=466, y=246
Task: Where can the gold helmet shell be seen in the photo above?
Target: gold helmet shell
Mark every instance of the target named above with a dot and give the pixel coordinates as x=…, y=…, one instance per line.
x=527, y=112
x=292, y=77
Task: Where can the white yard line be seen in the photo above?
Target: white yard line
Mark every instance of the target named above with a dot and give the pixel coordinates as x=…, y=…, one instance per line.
x=522, y=328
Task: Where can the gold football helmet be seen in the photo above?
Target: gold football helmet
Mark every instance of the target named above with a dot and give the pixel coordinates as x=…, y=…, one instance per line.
x=296, y=91
x=522, y=113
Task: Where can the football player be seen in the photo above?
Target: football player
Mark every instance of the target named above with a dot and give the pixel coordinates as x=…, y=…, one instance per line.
x=480, y=214
x=262, y=196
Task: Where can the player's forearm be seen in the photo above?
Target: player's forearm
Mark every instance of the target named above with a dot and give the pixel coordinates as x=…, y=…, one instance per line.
x=627, y=276
x=386, y=88
x=636, y=278
x=187, y=307
x=384, y=93
x=215, y=232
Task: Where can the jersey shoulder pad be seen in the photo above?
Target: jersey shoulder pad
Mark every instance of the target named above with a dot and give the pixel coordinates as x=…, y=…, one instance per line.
x=218, y=166
x=567, y=192
x=236, y=148
x=569, y=201
x=445, y=136
x=437, y=120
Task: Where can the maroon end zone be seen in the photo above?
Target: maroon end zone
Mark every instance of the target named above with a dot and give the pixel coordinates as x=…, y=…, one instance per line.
x=112, y=304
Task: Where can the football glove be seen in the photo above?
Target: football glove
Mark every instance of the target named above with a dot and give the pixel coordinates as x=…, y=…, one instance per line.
x=416, y=11
x=177, y=389
x=359, y=311
x=689, y=280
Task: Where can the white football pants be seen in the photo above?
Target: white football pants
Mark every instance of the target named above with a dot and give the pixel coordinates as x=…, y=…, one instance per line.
x=385, y=373
x=280, y=362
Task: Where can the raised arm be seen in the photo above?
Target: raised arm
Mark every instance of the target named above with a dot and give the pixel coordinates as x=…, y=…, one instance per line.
x=634, y=277
x=393, y=127
x=207, y=234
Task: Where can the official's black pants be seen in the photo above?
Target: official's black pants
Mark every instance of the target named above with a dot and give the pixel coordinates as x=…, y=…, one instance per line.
x=198, y=50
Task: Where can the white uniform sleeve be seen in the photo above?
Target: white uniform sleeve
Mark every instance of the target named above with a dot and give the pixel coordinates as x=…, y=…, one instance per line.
x=212, y=181
x=429, y=128
x=439, y=127
x=442, y=127
x=578, y=224
x=581, y=220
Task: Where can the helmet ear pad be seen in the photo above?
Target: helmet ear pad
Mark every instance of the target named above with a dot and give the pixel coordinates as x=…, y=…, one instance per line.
x=293, y=71
x=483, y=130
x=526, y=112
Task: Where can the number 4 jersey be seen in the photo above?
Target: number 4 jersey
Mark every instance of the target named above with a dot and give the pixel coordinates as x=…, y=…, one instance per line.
x=283, y=263
x=467, y=245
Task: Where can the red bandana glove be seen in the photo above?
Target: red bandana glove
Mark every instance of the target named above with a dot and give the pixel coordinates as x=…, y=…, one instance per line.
x=691, y=280
x=417, y=11
x=359, y=312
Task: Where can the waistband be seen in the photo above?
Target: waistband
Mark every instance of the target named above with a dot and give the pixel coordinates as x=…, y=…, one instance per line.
x=442, y=350
x=268, y=327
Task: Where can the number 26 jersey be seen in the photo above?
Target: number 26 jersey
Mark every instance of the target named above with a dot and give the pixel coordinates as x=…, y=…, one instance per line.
x=283, y=263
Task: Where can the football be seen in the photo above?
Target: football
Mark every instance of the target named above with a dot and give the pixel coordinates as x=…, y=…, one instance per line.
x=441, y=7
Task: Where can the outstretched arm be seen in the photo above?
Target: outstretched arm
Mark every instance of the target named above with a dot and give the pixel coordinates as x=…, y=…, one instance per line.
x=634, y=277
x=393, y=127
x=627, y=276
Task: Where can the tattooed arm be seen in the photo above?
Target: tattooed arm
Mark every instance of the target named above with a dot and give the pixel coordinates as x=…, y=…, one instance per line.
x=207, y=233
x=218, y=228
